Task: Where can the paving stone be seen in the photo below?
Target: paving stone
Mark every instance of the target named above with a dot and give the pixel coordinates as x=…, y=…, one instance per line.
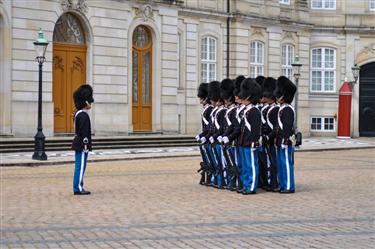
x=157, y=203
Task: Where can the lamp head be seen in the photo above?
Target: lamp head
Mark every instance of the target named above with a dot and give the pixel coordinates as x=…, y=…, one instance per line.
x=40, y=45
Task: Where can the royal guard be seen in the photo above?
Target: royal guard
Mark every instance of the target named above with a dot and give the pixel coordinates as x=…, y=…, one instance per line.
x=206, y=166
x=284, y=93
x=250, y=134
x=231, y=134
x=83, y=99
x=226, y=91
x=218, y=120
x=269, y=127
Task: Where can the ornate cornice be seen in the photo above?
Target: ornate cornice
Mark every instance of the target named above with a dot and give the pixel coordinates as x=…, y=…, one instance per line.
x=144, y=12
x=369, y=49
x=78, y=5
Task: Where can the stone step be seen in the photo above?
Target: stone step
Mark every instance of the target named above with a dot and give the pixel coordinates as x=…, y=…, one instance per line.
x=62, y=144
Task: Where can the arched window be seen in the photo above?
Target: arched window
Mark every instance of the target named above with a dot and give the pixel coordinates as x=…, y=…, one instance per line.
x=68, y=29
x=287, y=55
x=256, y=58
x=323, y=70
x=208, y=59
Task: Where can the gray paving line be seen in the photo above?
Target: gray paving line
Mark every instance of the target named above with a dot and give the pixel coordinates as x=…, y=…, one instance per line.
x=250, y=234
x=183, y=172
x=212, y=224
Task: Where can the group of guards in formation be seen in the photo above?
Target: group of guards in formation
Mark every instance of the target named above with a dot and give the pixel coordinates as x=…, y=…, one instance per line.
x=248, y=136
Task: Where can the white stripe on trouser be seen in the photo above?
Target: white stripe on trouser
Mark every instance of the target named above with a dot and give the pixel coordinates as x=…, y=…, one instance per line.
x=81, y=172
x=253, y=169
x=287, y=169
x=268, y=169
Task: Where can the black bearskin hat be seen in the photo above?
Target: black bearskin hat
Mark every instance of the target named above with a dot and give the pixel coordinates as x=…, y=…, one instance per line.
x=251, y=90
x=285, y=88
x=237, y=85
x=226, y=89
x=259, y=79
x=81, y=95
x=203, y=91
x=214, y=90
x=269, y=85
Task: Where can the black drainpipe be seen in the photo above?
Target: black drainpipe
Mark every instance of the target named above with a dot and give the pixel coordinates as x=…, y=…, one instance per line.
x=228, y=36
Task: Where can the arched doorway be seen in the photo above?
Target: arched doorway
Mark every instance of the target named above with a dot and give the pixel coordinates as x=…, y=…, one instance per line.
x=367, y=100
x=142, y=79
x=69, y=69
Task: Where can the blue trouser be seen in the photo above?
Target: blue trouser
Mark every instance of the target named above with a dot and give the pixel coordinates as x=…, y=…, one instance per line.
x=285, y=168
x=250, y=168
x=239, y=156
x=218, y=149
x=79, y=170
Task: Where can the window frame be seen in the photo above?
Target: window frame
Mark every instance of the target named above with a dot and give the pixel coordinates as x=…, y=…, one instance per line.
x=323, y=70
x=207, y=61
x=323, y=123
x=257, y=64
x=372, y=2
x=323, y=5
x=286, y=2
x=286, y=66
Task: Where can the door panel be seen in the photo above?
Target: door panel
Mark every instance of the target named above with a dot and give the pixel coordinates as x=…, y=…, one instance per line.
x=69, y=72
x=59, y=92
x=77, y=77
x=367, y=100
x=142, y=90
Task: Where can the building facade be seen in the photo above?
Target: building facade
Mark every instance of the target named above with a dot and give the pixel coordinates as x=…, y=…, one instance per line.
x=145, y=60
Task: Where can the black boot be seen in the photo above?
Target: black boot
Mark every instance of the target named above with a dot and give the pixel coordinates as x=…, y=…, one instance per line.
x=203, y=179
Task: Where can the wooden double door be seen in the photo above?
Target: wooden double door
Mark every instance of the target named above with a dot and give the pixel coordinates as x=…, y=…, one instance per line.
x=142, y=80
x=367, y=100
x=69, y=72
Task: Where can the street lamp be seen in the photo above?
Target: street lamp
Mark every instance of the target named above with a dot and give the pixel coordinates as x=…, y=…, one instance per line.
x=296, y=64
x=355, y=71
x=40, y=47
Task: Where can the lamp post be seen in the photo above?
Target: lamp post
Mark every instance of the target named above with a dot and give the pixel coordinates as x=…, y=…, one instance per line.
x=296, y=64
x=40, y=47
x=355, y=71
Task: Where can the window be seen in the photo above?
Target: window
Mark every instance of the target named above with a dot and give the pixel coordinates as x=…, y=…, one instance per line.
x=323, y=70
x=372, y=4
x=256, y=58
x=323, y=4
x=322, y=124
x=284, y=1
x=208, y=59
x=287, y=55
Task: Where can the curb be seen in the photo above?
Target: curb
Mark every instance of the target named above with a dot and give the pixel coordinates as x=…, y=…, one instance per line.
x=154, y=156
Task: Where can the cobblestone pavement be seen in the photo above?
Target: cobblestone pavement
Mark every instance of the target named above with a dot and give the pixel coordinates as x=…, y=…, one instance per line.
x=309, y=144
x=157, y=203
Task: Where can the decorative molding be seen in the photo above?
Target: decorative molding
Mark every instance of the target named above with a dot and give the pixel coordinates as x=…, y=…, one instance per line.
x=57, y=63
x=78, y=5
x=257, y=31
x=77, y=64
x=369, y=49
x=289, y=36
x=145, y=12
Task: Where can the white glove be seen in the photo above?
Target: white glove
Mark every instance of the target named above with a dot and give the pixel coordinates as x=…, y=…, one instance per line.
x=198, y=138
x=219, y=139
x=225, y=140
x=203, y=140
x=212, y=140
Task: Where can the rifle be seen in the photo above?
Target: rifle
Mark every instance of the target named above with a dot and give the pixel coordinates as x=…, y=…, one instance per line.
x=219, y=166
x=209, y=166
x=233, y=170
x=272, y=169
